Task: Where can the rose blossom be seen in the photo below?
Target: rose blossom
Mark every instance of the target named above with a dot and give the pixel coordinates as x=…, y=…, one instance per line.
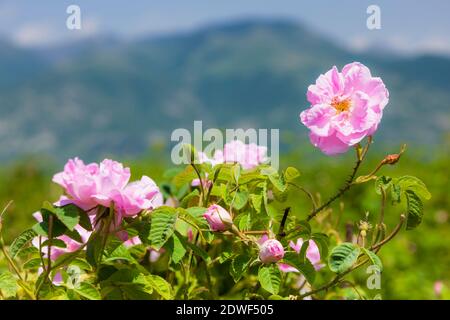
x=91, y=185
x=345, y=107
x=137, y=196
x=312, y=254
x=270, y=251
x=218, y=218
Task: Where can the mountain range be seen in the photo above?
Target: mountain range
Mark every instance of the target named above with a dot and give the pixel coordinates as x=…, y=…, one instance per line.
x=110, y=96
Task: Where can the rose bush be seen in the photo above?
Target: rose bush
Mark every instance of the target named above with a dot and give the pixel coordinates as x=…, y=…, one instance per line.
x=218, y=220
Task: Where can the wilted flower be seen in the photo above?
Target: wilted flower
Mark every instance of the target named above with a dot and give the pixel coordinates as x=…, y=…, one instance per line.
x=345, y=107
x=218, y=218
x=270, y=251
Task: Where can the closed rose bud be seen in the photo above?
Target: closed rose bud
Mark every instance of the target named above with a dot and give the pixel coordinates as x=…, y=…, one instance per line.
x=271, y=251
x=218, y=218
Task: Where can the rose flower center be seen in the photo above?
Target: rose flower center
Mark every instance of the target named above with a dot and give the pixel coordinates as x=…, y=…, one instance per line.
x=342, y=105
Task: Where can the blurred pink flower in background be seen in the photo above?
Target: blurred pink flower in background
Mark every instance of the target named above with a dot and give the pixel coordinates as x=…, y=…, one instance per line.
x=271, y=250
x=218, y=218
x=345, y=107
x=438, y=286
x=312, y=254
x=247, y=155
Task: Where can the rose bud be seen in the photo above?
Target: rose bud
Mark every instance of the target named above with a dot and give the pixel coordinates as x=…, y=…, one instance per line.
x=271, y=251
x=218, y=218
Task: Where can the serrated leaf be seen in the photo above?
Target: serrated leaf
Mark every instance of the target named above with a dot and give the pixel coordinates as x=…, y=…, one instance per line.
x=414, y=210
x=88, y=291
x=415, y=185
x=396, y=193
x=343, y=257
x=21, y=241
x=120, y=253
x=8, y=285
x=162, y=226
x=239, y=265
x=161, y=286
x=256, y=201
x=55, y=243
x=270, y=278
x=374, y=258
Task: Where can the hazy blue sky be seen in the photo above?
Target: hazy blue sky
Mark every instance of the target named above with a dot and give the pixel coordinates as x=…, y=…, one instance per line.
x=407, y=26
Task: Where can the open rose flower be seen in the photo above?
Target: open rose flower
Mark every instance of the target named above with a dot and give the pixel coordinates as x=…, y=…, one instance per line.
x=345, y=107
x=312, y=254
x=91, y=185
x=137, y=196
x=270, y=250
x=218, y=218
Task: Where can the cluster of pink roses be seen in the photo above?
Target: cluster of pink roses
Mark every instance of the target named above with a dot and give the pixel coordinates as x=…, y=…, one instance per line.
x=106, y=184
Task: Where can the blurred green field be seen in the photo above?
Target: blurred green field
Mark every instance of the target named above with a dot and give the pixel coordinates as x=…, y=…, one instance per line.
x=413, y=262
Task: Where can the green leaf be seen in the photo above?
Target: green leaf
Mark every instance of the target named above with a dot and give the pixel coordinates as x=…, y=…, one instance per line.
x=239, y=265
x=87, y=291
x=120, y=253
x=304, y=267
x=162, y=226
x=69, y=215
x=33, y=263
x=396, y=192
x=161, y=286
x=414, y=210
x=270, y=278
x=240, y=199
x=382, y=182
x=291, y=173
x=322, y=241
x=21, y=241
x=8, y=285
x=197, y=250
x=256, y=201
x=343, y=257
x=42, y=228
x=374, y=258
x=177, y=248
x=415, y=185
x=55, y=243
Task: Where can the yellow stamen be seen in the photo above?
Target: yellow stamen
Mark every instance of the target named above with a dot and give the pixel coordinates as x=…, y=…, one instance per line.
x=341, y=106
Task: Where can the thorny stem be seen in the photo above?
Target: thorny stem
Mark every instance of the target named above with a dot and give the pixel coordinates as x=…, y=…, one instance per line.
x=340, y=192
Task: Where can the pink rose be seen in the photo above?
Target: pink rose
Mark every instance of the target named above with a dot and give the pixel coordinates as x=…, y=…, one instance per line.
x=271, y=251
x=112, y=178
x=91, y=185
x=218, y=218
x=248, y=155
x=137, y=196
x=80, y=182
x=312, y=254
x=345, y=107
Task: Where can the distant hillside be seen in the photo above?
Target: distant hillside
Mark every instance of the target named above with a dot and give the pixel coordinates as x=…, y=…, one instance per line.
x=108, y=96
